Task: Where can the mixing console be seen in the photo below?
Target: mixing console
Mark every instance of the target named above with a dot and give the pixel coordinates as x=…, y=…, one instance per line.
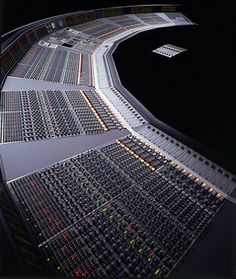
x=72, y=38
x=34, y=115
x=122, y=198
x=60, y=66
x=119, y=210
x=152, y=19
x=127, y=22
x=99, y=30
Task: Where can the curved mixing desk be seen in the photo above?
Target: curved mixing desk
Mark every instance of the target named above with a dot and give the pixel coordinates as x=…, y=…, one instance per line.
x=102, y=187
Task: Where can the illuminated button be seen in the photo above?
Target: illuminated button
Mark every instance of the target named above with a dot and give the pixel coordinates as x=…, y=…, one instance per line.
x=157, y=271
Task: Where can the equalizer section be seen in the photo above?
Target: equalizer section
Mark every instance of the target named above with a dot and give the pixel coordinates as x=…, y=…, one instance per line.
x=122, y=209
x=54, y=64
x=36, y=115
x=62, y=194
x=127, y=21
x=100, y=29
x=152, y=18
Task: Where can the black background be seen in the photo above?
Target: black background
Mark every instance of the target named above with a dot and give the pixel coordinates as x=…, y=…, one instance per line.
x=192, y=92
